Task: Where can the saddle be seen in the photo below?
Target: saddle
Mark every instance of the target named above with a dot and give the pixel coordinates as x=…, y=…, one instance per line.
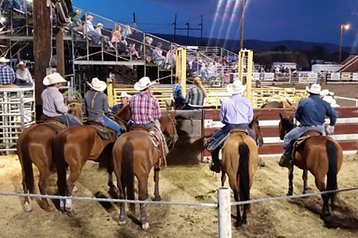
x=54, y=123
x=300, y=141
x=103, y=132
x=158, y=141
x=239, y=130
x=212, y=145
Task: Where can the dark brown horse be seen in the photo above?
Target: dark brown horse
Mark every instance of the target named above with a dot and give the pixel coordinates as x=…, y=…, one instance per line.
x=320, y=155
x=135, y=155
x=34, y=146
x=77, y=144
x=280, y=104
x=239, y=161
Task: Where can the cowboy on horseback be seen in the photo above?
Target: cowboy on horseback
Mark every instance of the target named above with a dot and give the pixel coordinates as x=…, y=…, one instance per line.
x=145, y=110
x=53, y=103
x=97, y=106
x=310, y=114
x=235, y=112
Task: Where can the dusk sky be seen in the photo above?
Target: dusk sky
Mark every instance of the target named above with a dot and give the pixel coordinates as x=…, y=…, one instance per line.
x=270, y=20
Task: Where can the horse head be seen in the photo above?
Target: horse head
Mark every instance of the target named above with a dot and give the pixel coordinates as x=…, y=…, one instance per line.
x=123, y=116
x=168, y=127
x=75, y=109
x=255, y=127
x=285, y=125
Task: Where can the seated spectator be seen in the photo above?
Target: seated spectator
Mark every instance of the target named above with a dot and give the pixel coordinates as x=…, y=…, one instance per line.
x=126, y=32
x=7, y=74
x=157, y=55
x=170, y=58
x=92, y=33
x=204, y=72
x=99, y=28
x=76, y=22
x=148, y=49
x=124, y=97
x=117, y=39
x=195, y=97
x=178, y=94
x=133, y=51
x=23, y=75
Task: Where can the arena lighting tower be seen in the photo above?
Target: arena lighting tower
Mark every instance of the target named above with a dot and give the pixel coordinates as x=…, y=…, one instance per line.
x=341, y=28
x=242, y=24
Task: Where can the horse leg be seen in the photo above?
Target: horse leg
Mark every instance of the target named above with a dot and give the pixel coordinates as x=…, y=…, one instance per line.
x=75, y=171
x=43, y=182
x=304, y=178
x=290, y=181
x=27, y=204
x=321, y=185
x=156, y=185
x=238, y=215
x=223, y=178
x=143, y=195
x=122, y=205
x=113, y=190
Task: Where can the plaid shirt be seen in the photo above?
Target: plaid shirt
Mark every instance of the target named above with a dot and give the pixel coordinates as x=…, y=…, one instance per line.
x=144, y=108
x=195, y=97
x=7, y=75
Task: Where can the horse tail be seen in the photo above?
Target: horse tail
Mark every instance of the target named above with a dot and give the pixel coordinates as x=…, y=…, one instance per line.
x=27, y=170
x=58, y=155
x=243, y=172
x=332, y=168
x=127, y=174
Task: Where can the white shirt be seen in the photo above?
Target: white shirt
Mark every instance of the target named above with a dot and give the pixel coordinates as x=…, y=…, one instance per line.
x=24, y=75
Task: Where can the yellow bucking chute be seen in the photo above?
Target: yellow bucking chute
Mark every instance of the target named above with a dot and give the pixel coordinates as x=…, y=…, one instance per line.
x=180, y=68
x=245, y=63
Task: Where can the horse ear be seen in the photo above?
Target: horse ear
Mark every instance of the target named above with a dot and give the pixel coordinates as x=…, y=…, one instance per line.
x=289, y=102
x=256, y=117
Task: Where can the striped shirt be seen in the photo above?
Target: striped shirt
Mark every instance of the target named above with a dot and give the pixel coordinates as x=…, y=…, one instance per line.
x=53, y=104
x=7, y=75
x=195, y=97
x=144, y=108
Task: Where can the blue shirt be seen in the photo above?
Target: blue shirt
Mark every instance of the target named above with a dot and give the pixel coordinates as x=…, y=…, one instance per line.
x=7, y=75
x=312, y=111
x=236, y=110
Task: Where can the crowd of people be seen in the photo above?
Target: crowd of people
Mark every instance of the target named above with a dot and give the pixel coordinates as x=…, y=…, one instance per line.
x=9, y=77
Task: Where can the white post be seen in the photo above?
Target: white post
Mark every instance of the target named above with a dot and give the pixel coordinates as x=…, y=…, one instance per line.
x=224, y=212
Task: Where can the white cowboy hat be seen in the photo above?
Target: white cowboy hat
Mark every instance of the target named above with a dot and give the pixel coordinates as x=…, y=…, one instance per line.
x=143, y=83
x=97, y=85
x=315, y=89
x=99, y=24
x=124, y=95
x=4, y=60
x=326, y=92
x=236, y=87
x=53, y=79
x=21, y=63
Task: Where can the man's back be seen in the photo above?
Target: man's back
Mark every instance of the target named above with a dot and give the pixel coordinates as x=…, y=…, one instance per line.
x=7, y=75
x=144, y=108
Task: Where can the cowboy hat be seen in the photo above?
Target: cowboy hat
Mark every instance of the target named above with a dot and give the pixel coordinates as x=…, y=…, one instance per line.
x=236, y=87
x=99, y=24
x=326, y=92
x=314, y=89
x=124, y=95
x=143, y=83
x=21, y=63
x=4, y=60
x=97, y=85
x=53, y=79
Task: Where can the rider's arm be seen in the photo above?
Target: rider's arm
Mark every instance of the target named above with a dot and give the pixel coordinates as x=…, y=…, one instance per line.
x=59, y=103
x=331, y=113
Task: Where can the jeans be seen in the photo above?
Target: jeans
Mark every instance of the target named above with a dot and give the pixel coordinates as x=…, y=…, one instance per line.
x=69, y=120
x=220, y=134
x=107, y=122
x=294, y=134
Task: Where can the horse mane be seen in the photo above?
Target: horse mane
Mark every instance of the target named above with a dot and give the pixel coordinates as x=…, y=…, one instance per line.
x=124, y=113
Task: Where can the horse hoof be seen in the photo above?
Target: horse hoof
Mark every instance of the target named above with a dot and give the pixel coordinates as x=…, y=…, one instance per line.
x=27, y=207
x=145, y=226
x=71, y=213
x=121, y=223
x=47, y=207
x=157, y=199
x=75, y=189
x=289, y=194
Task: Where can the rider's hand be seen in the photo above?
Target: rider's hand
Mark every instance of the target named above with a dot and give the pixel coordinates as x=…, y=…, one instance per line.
x=330, y=129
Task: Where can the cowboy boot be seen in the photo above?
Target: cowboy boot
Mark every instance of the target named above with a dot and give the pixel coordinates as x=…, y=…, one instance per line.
x=215, y=165
x=285, y=161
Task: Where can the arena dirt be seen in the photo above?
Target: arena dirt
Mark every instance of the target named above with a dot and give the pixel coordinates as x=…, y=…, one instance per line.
x=290, y=218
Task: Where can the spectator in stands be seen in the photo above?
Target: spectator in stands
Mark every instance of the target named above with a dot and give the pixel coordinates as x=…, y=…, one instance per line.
x=23, y=74
x=148, y=49
x=195, y=67
x=7, y=74
x=133, y=51
x=170, y=58
x=311, y=113
x=178, y=94
x=126, y=32
x=117, y=39
x=99, y=28
x=157, y=55
x=235, y=112
x=195, y=97
x=53, y=104
x=77, y=22
x=124, y=97
x=97, y=106
x=204, y=72
x=91, y=32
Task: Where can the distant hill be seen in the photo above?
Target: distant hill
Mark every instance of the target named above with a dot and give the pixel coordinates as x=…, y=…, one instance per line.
x=256, y=45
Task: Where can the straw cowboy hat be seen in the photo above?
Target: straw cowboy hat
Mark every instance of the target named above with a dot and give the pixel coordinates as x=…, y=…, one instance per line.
x=97, y=85
x=124, y=95
x=4, y=60
x=53, y=79
x=236, y=88
x=314, y=89
x=143, y=83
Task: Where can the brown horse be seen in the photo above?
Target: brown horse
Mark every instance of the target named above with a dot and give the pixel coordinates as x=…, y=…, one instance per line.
x=239, y=161
x=134, y=155
x=320, y=155
x=77, y=144
x=34, y=146
x=280, y=104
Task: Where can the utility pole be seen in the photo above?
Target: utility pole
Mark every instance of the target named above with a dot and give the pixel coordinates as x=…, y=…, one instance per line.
x=187, y=36
x=242, y=25
x=175, y=27
x=201, y=29
x=134, y=24
x=188, y=28
x=42, y=47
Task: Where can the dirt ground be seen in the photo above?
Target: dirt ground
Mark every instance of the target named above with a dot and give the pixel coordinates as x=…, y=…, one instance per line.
x=289, y=218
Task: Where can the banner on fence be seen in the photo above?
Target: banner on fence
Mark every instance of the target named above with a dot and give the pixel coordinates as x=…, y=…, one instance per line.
x=307, y=77
x=355, y=77
x=335, y=76
x=269, y=76
x=345, y=76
